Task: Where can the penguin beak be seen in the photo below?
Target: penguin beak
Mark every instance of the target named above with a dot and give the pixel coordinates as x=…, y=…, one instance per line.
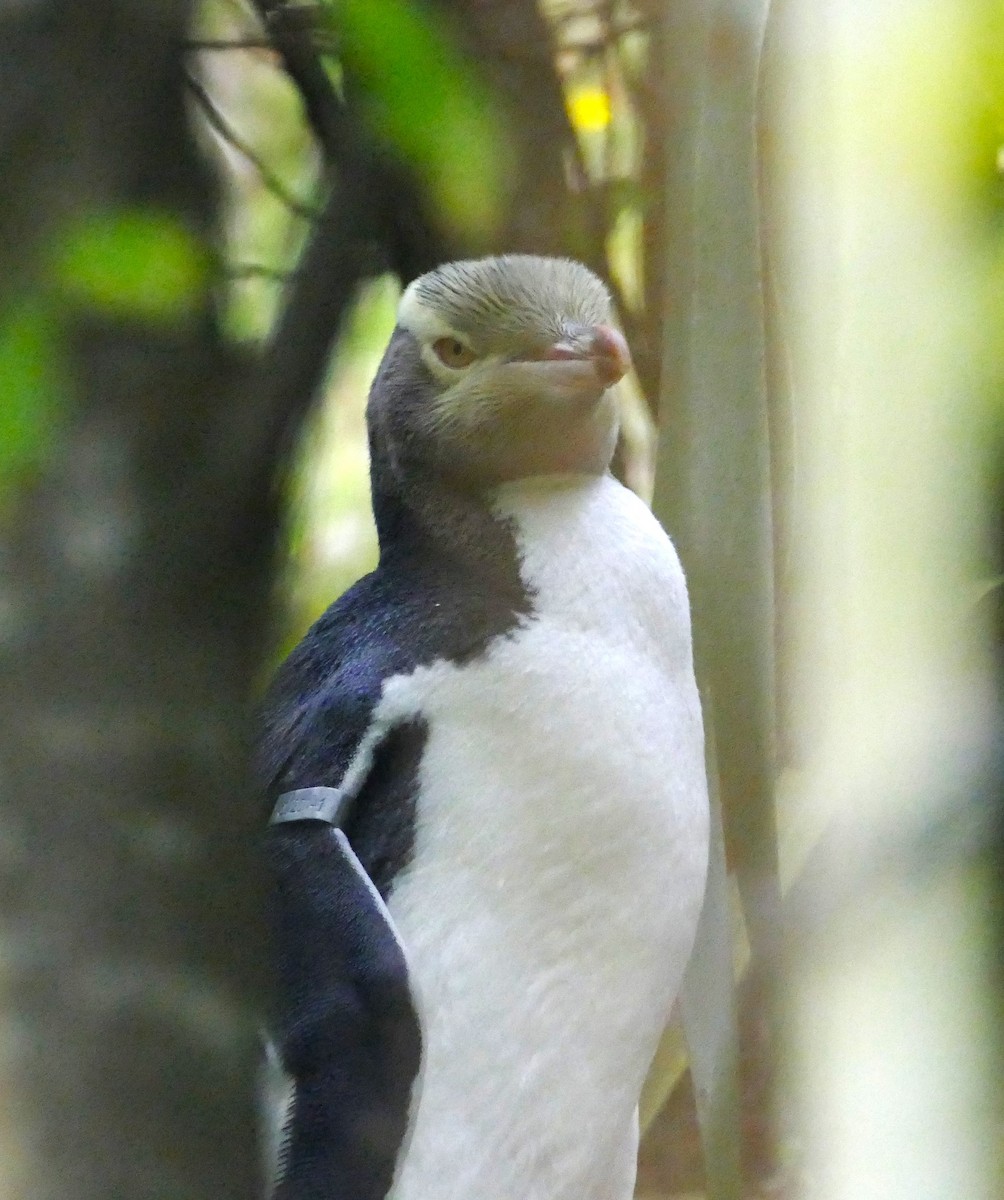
x=601, y=346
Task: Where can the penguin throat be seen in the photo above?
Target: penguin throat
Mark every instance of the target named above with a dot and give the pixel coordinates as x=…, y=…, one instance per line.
x=424, y=519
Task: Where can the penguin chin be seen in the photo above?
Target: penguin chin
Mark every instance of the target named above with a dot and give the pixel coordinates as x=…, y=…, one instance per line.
x=553, y=434
x=585, y=447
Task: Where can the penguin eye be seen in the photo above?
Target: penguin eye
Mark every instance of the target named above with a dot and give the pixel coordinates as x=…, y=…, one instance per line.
x=451, y=352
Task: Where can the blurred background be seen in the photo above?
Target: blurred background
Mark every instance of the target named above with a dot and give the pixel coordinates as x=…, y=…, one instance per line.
x=799, y=209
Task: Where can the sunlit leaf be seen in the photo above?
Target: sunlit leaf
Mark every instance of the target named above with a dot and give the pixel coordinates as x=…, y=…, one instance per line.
x=137, y=264
x=422, y=98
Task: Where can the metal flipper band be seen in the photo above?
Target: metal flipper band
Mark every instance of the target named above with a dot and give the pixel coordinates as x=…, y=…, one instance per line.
x=310, y=804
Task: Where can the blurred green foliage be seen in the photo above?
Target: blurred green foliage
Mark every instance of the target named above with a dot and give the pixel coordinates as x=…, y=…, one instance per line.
x=332, y=535
x=138, y=265
x=422, y=98
x=34, y=388
x=135, y=265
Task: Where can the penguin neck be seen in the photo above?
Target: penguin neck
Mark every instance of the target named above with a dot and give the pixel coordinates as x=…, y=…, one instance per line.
x=424, y=521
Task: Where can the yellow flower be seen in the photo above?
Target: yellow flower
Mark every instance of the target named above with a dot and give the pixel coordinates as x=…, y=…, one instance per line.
x=589, y=108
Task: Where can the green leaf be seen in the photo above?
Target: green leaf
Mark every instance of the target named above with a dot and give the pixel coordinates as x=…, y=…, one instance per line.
x=422, y=98
x=32, y=388
x=136, y=264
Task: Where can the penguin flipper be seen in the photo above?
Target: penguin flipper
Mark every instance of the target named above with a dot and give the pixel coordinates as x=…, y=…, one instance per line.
x=346, y=1027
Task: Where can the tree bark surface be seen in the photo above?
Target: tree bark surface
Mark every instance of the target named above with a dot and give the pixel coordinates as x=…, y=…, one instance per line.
x=133, y=600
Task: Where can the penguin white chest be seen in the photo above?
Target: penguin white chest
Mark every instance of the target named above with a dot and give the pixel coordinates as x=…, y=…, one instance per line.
x=559, y=859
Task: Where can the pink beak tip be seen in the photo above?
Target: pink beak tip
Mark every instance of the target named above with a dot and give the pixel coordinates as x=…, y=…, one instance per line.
x=607, y=351
x=610, y=353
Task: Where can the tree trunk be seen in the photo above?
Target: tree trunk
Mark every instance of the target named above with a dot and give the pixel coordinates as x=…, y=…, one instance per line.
x=132, y=604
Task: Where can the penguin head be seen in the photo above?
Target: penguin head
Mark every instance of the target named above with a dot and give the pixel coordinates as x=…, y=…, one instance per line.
x=500, y=369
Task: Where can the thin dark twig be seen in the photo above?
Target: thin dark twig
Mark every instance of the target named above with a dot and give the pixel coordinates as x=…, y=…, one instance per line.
x=295, y=41
x=239, y=271
x=325, y=44
x=352, y=238
x=226, y=131
x=245, y=43
x=395, y=213
x=319, y=294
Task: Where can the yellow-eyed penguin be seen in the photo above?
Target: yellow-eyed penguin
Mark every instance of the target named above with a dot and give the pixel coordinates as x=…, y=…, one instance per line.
x=490, y=825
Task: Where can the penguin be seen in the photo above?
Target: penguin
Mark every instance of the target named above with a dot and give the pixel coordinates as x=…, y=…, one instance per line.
x=485, y=767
